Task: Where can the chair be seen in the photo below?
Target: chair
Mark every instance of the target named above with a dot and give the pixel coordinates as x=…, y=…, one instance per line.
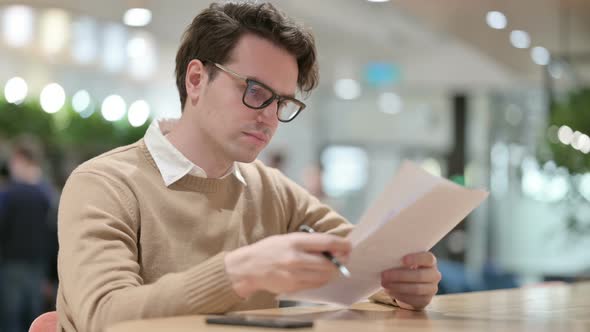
x=47, y=322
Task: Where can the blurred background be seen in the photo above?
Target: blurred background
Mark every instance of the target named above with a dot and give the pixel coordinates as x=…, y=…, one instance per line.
x=487, y=93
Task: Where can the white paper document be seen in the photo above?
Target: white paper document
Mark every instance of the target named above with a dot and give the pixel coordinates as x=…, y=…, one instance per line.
x=415, y=211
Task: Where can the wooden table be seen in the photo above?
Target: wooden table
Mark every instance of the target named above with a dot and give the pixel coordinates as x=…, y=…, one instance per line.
x=559, y=308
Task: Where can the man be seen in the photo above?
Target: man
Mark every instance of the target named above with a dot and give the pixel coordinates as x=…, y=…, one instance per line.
x=25, y=238
x=186, y=221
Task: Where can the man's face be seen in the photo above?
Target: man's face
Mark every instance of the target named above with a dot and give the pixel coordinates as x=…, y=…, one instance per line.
x=236, y=131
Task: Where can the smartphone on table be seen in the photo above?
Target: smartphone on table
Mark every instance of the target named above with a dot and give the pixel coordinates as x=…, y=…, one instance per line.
x=260, y=321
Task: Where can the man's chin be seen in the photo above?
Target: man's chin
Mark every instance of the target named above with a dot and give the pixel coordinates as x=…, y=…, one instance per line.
x=244, y=153
x=246, y=157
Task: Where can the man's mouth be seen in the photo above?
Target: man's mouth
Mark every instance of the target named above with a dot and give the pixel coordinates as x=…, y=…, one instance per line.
x=259, y=136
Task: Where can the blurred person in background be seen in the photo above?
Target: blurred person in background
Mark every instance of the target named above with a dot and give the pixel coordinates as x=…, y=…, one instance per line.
x=4, y=172
x=26, y=237
x=186, y=220
x=4, y=175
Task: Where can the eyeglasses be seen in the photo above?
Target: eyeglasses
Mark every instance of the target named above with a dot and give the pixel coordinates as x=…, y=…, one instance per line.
x=258, y=96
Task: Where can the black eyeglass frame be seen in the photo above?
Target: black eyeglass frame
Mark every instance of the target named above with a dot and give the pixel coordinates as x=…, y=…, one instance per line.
x=275, y=96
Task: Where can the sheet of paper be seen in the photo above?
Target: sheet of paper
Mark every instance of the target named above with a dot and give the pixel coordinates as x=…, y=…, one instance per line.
x=414, y=212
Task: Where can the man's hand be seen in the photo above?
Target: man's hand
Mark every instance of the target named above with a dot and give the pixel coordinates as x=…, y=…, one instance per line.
x=285, y=263
x=415, y=283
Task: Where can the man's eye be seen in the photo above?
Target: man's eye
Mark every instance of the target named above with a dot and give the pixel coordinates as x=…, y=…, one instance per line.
x=254, y=90
x=251, y=90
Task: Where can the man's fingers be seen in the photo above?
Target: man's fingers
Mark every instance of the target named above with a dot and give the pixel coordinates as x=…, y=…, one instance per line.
x=412, y=302
x=423, y=289
x=315, y=276
x=308, y=261
x=420, y=259
x=318, y=242
x=406, y=275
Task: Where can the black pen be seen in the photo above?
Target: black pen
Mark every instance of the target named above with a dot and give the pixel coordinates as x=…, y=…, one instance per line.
x=343, y=270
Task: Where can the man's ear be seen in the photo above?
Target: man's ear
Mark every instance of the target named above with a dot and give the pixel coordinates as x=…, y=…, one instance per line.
x=196, y=78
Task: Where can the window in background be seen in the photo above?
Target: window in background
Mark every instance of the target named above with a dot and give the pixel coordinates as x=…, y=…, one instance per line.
x=345, y=169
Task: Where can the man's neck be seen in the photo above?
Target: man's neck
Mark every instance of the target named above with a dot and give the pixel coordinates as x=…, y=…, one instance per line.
x=194, y=147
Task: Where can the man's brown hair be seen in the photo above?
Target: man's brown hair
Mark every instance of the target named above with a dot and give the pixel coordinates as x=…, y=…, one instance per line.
x=214, y=33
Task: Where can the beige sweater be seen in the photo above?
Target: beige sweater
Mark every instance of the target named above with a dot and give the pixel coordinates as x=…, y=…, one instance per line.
x=132, y=248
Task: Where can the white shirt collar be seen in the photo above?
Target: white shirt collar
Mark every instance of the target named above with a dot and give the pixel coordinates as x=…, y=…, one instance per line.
x=172, y=164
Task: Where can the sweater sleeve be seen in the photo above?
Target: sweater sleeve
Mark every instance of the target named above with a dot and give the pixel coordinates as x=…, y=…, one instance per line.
x=99, y=266
x=301, y=207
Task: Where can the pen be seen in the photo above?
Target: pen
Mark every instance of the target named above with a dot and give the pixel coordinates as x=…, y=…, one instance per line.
x=343, y=270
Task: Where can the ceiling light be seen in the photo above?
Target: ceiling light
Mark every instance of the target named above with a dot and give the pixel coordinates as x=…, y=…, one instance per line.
x=137, y=17
x=81, y=101
x=17, y=25
x=15, y=90
x=347, y=89
x=53, y=98
x=565, y=134
x=496, y=20
x=113, y=108
x=138, y=113
x=540, y=55
x=520, y=39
